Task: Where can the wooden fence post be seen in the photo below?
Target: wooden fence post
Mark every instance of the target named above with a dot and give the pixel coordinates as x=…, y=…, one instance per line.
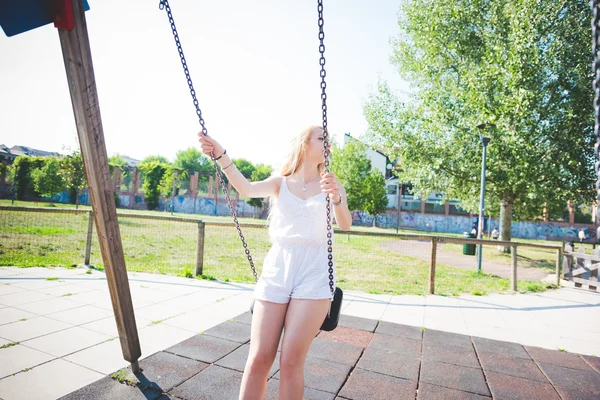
x=514, y=268
x=88, y=243
x=559, y=261
x=200, y=249
x=77, y=58
x=434, y=241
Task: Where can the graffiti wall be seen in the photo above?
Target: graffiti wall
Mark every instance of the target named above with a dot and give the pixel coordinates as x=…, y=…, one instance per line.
x=459, y=224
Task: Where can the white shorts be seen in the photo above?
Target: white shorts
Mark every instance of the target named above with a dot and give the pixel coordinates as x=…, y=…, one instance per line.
x=293, y=271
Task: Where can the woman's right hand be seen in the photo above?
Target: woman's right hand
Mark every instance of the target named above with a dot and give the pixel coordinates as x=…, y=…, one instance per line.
x=210, y=146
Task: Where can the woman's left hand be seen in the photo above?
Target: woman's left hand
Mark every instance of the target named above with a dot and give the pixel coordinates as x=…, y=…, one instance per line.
x=332, y=186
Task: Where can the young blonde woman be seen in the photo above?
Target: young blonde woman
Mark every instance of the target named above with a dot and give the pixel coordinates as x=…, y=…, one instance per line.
x=293, y=290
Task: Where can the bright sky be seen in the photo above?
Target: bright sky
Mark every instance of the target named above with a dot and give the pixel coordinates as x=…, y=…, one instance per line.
x=254, y=65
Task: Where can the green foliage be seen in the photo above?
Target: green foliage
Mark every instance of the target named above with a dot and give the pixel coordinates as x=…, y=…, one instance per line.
x=156, y=158
x=117, y=160
x=192, y=159
x=153, y=175
x=47, y=180
x=21, y=175
x=523, y=65
x=166, y=182
x=245, y=167
x=261, y=172
x=365, y=185
x=3, y=172
x=376, y=200
x=73, y=174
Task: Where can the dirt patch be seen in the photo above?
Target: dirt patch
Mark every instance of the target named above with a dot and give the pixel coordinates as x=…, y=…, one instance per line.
x=422, y=250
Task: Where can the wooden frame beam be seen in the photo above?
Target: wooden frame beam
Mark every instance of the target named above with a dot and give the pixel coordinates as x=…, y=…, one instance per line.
x=84, y=97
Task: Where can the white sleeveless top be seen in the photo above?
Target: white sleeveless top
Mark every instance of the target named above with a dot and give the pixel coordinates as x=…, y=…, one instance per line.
x=298, y=221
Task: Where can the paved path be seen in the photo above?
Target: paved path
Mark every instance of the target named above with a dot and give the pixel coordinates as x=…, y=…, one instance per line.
x=58, y=335
x=422, y=250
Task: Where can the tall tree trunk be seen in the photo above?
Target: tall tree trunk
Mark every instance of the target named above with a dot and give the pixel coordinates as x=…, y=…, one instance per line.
x=506, y=212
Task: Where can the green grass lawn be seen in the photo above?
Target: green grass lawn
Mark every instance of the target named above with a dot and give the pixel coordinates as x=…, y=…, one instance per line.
x=526, y=256
x=169, y=247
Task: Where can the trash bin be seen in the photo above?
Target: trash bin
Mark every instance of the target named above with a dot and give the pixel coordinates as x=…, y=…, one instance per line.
x=469, y=249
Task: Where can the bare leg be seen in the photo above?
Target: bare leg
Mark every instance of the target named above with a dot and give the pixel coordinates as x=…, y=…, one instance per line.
x=302, y=322
x=267, y=323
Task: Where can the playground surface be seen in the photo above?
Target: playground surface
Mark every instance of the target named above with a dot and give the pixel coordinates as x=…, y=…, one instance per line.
x=58, y=340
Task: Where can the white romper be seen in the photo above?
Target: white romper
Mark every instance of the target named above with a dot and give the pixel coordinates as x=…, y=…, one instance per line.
x=296, y=266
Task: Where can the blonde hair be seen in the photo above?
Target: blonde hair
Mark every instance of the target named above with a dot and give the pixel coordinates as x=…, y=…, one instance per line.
x=295, y=158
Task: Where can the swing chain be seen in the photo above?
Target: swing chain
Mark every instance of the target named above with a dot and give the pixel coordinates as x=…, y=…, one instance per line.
x=326, y=148
x=164, y=5
x=595, y=4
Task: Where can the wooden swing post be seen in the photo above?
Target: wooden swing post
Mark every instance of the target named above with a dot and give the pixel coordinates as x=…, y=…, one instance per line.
x=77, y=57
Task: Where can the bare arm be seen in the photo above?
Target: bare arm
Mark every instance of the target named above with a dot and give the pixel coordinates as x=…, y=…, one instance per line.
x=266, y=188
x=337, y=194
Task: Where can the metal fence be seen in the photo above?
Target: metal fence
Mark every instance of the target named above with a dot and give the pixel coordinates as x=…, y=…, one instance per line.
x=373, y=262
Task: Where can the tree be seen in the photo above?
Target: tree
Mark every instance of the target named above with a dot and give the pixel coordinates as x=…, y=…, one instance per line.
x=523, y=65
x=365, y=185
x=192, y=159
x=73, y=174
x=117, y=160
x=261, y=172
x=153, y=175
x=245, y=167
x=47, y=179
x=20, y=172
x=157, y=158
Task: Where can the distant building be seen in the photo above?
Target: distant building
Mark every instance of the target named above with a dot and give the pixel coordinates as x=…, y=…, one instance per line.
x=31, y=152
x=6, y=156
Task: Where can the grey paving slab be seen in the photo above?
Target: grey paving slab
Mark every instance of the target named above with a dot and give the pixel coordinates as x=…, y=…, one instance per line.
x=389, y=363
x=452, y=339
x=22, y=298
x=450, y=354
x=9, y=289
x=567, y=360
x=363, y=385
x=245, y=318
x=163, y=371
x=31, y=328
x=567, y=380
x=66, y=341
x=12, y=314
x=483, y=345
x=323, y=375
x=454, y=377
x=396, y=344
x=272, y=392
x=342, y=334
x=213, y=383
x=204, y=348
x=428, y=391
x=51, y=380
x=514, y=388
x=364, y=324
x=237, y=360
x=594, y=362
x=231, y=330
x=81, y=315
x=389, y=328
x=18, y=357
x=329, y=350
x=109, y=389
x=513, y=366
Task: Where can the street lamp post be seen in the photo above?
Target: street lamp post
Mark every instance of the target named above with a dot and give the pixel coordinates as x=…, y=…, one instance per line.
x=484, y=143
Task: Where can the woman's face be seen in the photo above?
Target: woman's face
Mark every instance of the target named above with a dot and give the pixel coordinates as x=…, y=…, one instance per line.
x=314, y=146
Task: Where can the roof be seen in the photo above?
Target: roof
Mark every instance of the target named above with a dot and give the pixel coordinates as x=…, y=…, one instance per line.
x=30, y=151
